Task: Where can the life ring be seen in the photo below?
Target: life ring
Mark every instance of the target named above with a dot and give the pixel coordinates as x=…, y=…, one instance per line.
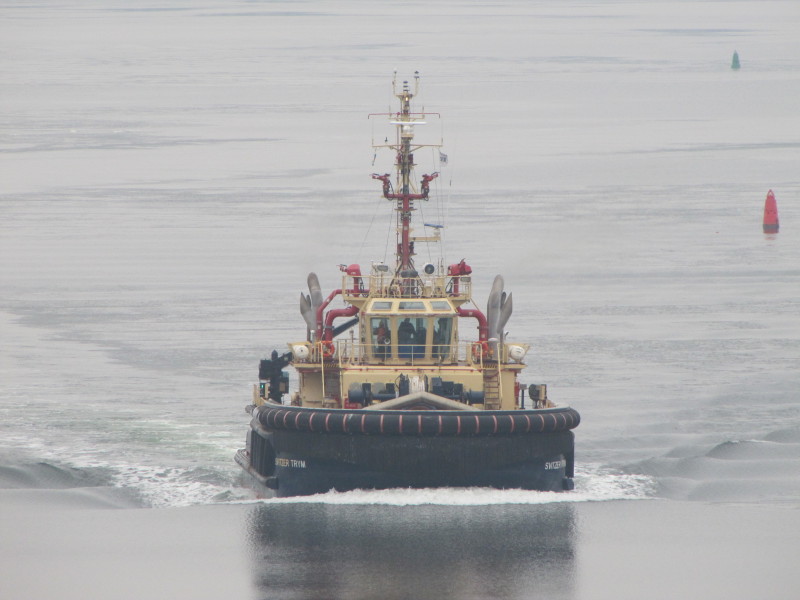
x=328, y=349
x=480, y=349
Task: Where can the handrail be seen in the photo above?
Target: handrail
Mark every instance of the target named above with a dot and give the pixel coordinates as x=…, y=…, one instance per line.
x=345, y=352
x=386, y=285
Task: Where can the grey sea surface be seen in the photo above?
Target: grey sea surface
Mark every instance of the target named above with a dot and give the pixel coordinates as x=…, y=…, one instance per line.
x=171, y=171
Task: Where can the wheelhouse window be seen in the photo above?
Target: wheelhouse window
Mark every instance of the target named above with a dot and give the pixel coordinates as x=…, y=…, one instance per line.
x=412, y=336
x=442, y=337
x=381, y=338
x=412, y=305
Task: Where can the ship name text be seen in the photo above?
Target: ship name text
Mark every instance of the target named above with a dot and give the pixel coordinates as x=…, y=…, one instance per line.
x=290, y=462
x=555, y=465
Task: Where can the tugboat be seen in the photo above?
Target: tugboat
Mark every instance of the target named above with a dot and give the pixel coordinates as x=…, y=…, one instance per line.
x=423, y=392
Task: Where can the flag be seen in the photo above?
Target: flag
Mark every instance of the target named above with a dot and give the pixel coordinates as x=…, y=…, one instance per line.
x=442, y=158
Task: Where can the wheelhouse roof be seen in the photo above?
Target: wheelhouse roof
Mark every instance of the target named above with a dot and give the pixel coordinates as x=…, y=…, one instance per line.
x=410, y=306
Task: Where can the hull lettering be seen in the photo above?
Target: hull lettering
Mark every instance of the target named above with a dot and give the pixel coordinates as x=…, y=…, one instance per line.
x=555, y=465
x=290, y=462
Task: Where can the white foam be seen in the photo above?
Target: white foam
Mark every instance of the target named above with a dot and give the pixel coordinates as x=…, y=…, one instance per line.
x=593, y=483
x=596, y=483
x=161, y=487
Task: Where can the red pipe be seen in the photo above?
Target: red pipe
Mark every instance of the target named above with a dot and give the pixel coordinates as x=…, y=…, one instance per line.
x=321, y=309
x=333, y=314
x=483, y=325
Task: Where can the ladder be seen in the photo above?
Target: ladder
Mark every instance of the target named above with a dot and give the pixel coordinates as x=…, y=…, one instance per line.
x=492, y=386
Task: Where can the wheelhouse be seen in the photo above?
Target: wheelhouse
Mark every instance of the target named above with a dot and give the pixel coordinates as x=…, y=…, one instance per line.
x=401, y=330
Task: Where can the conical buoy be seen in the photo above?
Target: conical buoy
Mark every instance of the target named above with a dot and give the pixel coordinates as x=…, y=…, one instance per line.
x=770, y=214
x=735, y=62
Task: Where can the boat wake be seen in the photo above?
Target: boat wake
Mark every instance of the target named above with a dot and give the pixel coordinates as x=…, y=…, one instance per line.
x=593, y=483
x=150, y=486
x=159, y=487
x=143, y=486
x=730, y=471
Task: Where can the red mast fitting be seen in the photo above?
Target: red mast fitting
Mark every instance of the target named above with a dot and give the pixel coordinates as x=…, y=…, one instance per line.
x=405, y=204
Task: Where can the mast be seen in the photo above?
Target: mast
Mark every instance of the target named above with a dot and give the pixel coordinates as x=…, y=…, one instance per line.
x=405, y=275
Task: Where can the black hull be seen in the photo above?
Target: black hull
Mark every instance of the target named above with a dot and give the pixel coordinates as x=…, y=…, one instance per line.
x=296, y=451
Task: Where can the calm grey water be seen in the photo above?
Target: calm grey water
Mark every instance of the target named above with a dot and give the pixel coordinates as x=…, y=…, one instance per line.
x=170, y=172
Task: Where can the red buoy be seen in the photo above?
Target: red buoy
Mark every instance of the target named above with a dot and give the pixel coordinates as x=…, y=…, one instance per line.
x=771, y=224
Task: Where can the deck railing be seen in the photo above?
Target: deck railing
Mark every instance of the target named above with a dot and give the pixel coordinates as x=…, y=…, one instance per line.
x=386, y=285
x=351, y=352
